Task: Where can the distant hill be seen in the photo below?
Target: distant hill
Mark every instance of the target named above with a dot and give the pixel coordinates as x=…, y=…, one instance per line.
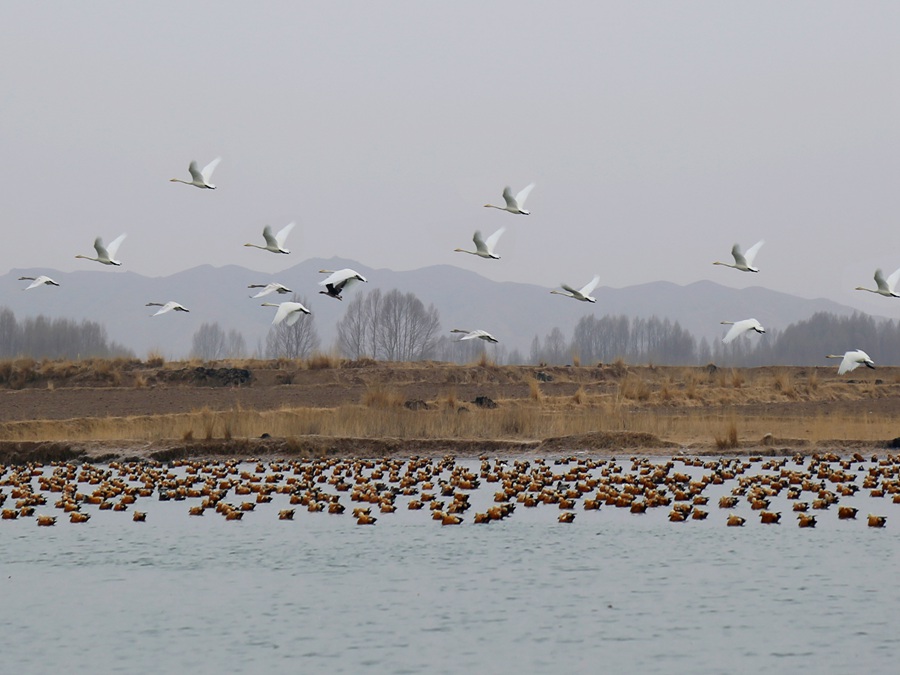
x=514, y=312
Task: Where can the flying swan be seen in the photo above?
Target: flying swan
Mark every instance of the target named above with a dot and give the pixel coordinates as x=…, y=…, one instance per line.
x=41, y=280
x=584, y=294
x=852, y=360
x=274, y=287
x=473, y=334
x=106, y=254
x=740, y=327
x=484, y=248
x=167, y=307
x=338, y=281
x=289, y=312
x=514, y=204
x=886, y=288
x=200, y=179
x=744, y=261
x=275, y=244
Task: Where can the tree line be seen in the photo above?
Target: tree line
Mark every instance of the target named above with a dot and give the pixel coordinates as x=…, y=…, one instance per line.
x=40, y=337
x=396, y=326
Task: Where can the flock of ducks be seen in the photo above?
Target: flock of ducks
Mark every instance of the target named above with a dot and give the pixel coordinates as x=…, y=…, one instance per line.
x=447, y=489
x=340, y=280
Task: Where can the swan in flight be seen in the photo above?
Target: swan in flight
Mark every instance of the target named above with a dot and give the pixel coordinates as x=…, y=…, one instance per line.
x=584, y=294
x=106, y=254
x=41, y=280
x=740, y=327
x=514, y=204
x=744, y=261
x=269, y=288
x=339, y=280
x=200, y=179
x=473, y=334
x=886, y=288
x=167, y=307
x=484, y=248
x=275, y=244
x=852, y=360
x=289, y=312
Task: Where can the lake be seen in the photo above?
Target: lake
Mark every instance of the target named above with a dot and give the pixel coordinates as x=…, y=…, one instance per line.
x=611, y=592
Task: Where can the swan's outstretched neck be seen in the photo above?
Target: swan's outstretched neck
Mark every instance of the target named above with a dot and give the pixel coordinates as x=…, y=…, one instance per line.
x=860, y=288
x=178, y=180
x=726, y=264
x=491, y=206
x=731, y=323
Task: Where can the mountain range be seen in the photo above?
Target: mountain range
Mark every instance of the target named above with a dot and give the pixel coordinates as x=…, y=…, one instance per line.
x=514, y=312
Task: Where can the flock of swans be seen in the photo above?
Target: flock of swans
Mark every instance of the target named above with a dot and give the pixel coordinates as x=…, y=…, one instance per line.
x=340, y=280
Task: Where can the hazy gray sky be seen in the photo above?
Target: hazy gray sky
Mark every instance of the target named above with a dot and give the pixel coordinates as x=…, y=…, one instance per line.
x=658, y=134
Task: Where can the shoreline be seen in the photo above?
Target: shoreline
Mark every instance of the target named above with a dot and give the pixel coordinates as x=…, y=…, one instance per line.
x=52, y=411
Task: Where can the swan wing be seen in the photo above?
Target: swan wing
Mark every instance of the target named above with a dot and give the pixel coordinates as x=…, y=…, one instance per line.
x=739, y=258
x=750, y=255
x=113, y=247
x=568, y=288
x=892, y=280
x=100, y=248
x=491, y=241
x=207, y=172
x=591, y=285
x=480, y=246
x=523, y=194
x=269, y=237
x=283, y=234
x=196, y=176
x=848, y=363
x=737, y=329
x=508, y=198
x=880, y=282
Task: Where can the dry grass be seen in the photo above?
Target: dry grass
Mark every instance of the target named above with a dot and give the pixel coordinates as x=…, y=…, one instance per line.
x=155, y=359
x=729, y=440
x=322, y=361
x=379, y=396
x=514, y=419
x=685, y=405
x=634, y=388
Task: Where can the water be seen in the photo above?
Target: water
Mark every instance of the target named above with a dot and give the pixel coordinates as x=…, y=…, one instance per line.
x=611, y=592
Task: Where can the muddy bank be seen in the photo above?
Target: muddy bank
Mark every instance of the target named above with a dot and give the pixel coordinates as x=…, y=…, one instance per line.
x=311, y=447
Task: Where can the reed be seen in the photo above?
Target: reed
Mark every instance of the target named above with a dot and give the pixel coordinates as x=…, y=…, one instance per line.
x=516, y=419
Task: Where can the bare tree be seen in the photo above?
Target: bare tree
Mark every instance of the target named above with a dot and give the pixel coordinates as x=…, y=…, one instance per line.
x=235, y=345
x=293, y=342
x=394, y=326
x=352, y=329
x=209, y=342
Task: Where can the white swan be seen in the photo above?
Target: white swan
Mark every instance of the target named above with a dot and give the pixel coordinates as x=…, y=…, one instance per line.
x=473, y=334
x=484, y=248
x=275, y=244
x=269, y=288
x=339, y=280
x=886, y=288
x=744, y=261
x=167, y=307
x=41, y=280
x=289, y=312
x=200, y=179
x=740, y=327
x=852, y=360
x=106, y=254
x=583, y=294
x=514, y=204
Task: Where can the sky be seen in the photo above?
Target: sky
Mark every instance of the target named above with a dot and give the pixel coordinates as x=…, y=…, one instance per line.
x=658, y=134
